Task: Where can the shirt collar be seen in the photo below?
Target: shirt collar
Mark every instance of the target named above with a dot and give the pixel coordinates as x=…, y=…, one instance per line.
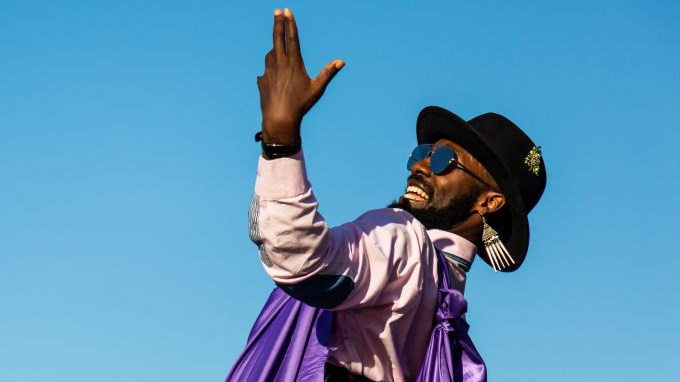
x=455, y=247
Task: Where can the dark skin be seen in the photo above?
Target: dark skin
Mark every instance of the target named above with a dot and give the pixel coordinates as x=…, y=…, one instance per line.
x=287, y=93
x=286, y=90
x=448, y=185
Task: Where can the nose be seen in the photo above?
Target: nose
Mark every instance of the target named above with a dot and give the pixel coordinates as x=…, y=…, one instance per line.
x=422, y=167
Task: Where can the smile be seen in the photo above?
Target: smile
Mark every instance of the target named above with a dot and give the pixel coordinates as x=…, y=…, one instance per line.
x=416, y=194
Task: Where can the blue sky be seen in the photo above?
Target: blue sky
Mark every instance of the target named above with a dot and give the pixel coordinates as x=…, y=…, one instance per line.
x=127, y=164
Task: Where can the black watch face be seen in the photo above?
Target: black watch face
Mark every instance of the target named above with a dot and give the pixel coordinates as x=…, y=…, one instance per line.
x=273, y=150
x=280, y=151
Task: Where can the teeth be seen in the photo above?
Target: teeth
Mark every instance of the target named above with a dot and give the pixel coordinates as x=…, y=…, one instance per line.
x=418, y=191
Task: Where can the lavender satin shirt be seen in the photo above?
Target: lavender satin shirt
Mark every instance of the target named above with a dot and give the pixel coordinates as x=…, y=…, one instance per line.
x=379, y=271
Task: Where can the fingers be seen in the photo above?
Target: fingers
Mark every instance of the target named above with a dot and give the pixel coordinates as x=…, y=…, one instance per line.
x=292, y=41
x=279, y=44
x=269, y=59
x=327, y=73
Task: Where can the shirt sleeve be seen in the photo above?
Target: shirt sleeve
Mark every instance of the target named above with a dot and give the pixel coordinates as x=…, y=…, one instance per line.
x=360, y=263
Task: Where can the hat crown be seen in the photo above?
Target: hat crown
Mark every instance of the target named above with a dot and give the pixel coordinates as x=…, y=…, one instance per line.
x=512, y=146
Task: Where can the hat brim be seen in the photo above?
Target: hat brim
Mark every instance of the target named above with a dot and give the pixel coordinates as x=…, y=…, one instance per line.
x=511, y=222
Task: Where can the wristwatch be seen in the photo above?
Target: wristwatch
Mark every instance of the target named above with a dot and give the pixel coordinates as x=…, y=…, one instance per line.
x=277, y=150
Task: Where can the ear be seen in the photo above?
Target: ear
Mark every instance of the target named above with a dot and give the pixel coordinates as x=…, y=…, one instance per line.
x=491, y=201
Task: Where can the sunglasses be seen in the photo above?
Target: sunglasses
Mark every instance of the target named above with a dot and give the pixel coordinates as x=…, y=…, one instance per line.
x=442, y=158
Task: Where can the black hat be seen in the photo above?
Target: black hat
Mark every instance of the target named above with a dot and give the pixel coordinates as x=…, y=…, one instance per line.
x=512, y=159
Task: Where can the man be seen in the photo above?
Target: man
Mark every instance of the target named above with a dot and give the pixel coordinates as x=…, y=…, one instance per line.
x=470, y=189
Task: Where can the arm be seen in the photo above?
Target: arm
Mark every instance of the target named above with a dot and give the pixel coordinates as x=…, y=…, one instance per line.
x=347, y=266
x=357, y=264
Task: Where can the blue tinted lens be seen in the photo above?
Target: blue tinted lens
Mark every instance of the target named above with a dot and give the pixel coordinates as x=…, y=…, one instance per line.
x=441, y=158
x=418, y=154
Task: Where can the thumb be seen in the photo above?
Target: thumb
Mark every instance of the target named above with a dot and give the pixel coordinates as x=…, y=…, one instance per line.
x=327, y=73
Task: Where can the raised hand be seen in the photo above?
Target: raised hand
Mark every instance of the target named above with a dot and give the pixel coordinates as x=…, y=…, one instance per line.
x=286, y=90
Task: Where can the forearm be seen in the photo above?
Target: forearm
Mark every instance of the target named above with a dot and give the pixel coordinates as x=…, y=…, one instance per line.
x=285, y=223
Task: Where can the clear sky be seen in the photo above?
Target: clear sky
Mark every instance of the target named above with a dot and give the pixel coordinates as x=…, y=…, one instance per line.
x=127, y=165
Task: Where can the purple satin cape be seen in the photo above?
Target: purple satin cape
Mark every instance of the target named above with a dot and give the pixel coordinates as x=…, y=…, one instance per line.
x=289, y=342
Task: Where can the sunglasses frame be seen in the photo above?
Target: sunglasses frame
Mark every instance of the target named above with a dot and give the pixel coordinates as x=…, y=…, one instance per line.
x=454, y=159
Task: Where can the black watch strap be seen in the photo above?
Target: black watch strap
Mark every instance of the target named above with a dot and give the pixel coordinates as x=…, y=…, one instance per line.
x=277, y=150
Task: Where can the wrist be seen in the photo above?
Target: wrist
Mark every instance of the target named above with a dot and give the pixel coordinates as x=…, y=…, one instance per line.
x=281, y=132
x=277, y=150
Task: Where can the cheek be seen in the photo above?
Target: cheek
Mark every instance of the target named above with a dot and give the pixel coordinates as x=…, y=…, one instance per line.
x=443, y=194
x=450, y=190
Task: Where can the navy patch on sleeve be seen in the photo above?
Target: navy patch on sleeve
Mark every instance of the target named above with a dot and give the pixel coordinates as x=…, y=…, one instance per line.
x=321, y=291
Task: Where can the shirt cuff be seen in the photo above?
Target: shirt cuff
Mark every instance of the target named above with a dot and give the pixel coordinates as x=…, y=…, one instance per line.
x=282, y=177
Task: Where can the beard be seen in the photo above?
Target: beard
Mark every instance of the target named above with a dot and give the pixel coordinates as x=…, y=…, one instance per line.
x=457, y=210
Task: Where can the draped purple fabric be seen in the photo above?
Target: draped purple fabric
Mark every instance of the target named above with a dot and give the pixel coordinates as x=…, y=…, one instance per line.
x=450, y=355
x=289, y=342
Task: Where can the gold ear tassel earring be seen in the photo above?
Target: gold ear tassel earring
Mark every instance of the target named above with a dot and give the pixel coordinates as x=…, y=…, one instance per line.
x=498, y=255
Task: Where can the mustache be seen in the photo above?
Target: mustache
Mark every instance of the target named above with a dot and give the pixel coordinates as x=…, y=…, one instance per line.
x=423, y=182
